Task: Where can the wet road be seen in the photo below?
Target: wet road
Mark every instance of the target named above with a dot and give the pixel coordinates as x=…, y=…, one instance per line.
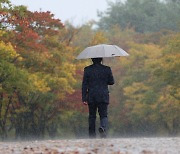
x=93, y=146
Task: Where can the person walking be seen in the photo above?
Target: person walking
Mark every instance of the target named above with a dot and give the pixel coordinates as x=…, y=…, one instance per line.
x=95, y=94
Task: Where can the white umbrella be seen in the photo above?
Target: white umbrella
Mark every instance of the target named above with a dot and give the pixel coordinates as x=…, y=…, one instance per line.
x=102, y=50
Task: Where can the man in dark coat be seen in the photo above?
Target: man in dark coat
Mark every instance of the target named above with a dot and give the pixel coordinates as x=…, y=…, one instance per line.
x=95, y=94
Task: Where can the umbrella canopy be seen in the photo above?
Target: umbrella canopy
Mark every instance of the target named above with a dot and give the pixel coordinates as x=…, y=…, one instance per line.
x=102, y=50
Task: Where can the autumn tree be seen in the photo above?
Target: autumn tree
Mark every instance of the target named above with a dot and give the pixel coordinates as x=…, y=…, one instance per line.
x=35, y=38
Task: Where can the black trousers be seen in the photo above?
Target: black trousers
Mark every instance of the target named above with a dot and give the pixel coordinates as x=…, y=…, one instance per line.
x=102, y=110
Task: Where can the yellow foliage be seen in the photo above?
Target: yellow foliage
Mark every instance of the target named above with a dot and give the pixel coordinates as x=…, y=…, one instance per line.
x=39, y=83
x=99, y=38
x=142, y=56
x=63, y=79
x=2, y=33
x=139, y=109
x=7, y=51
x=170, y=107
x=135, y=92
x=134, y=102
x=171, y=61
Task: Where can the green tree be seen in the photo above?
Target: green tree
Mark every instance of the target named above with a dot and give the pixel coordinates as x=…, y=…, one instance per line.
x=142, y=15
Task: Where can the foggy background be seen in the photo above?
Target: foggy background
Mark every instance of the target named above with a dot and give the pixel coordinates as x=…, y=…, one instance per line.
x=40, y=80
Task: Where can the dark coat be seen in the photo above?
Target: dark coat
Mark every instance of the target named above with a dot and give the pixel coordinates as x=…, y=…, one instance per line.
x=95, y=83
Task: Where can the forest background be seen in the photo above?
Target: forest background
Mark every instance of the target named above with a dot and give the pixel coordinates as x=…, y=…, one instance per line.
x=40, y=79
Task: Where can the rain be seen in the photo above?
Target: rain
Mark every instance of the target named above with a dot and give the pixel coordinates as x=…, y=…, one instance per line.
x=90, y=77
